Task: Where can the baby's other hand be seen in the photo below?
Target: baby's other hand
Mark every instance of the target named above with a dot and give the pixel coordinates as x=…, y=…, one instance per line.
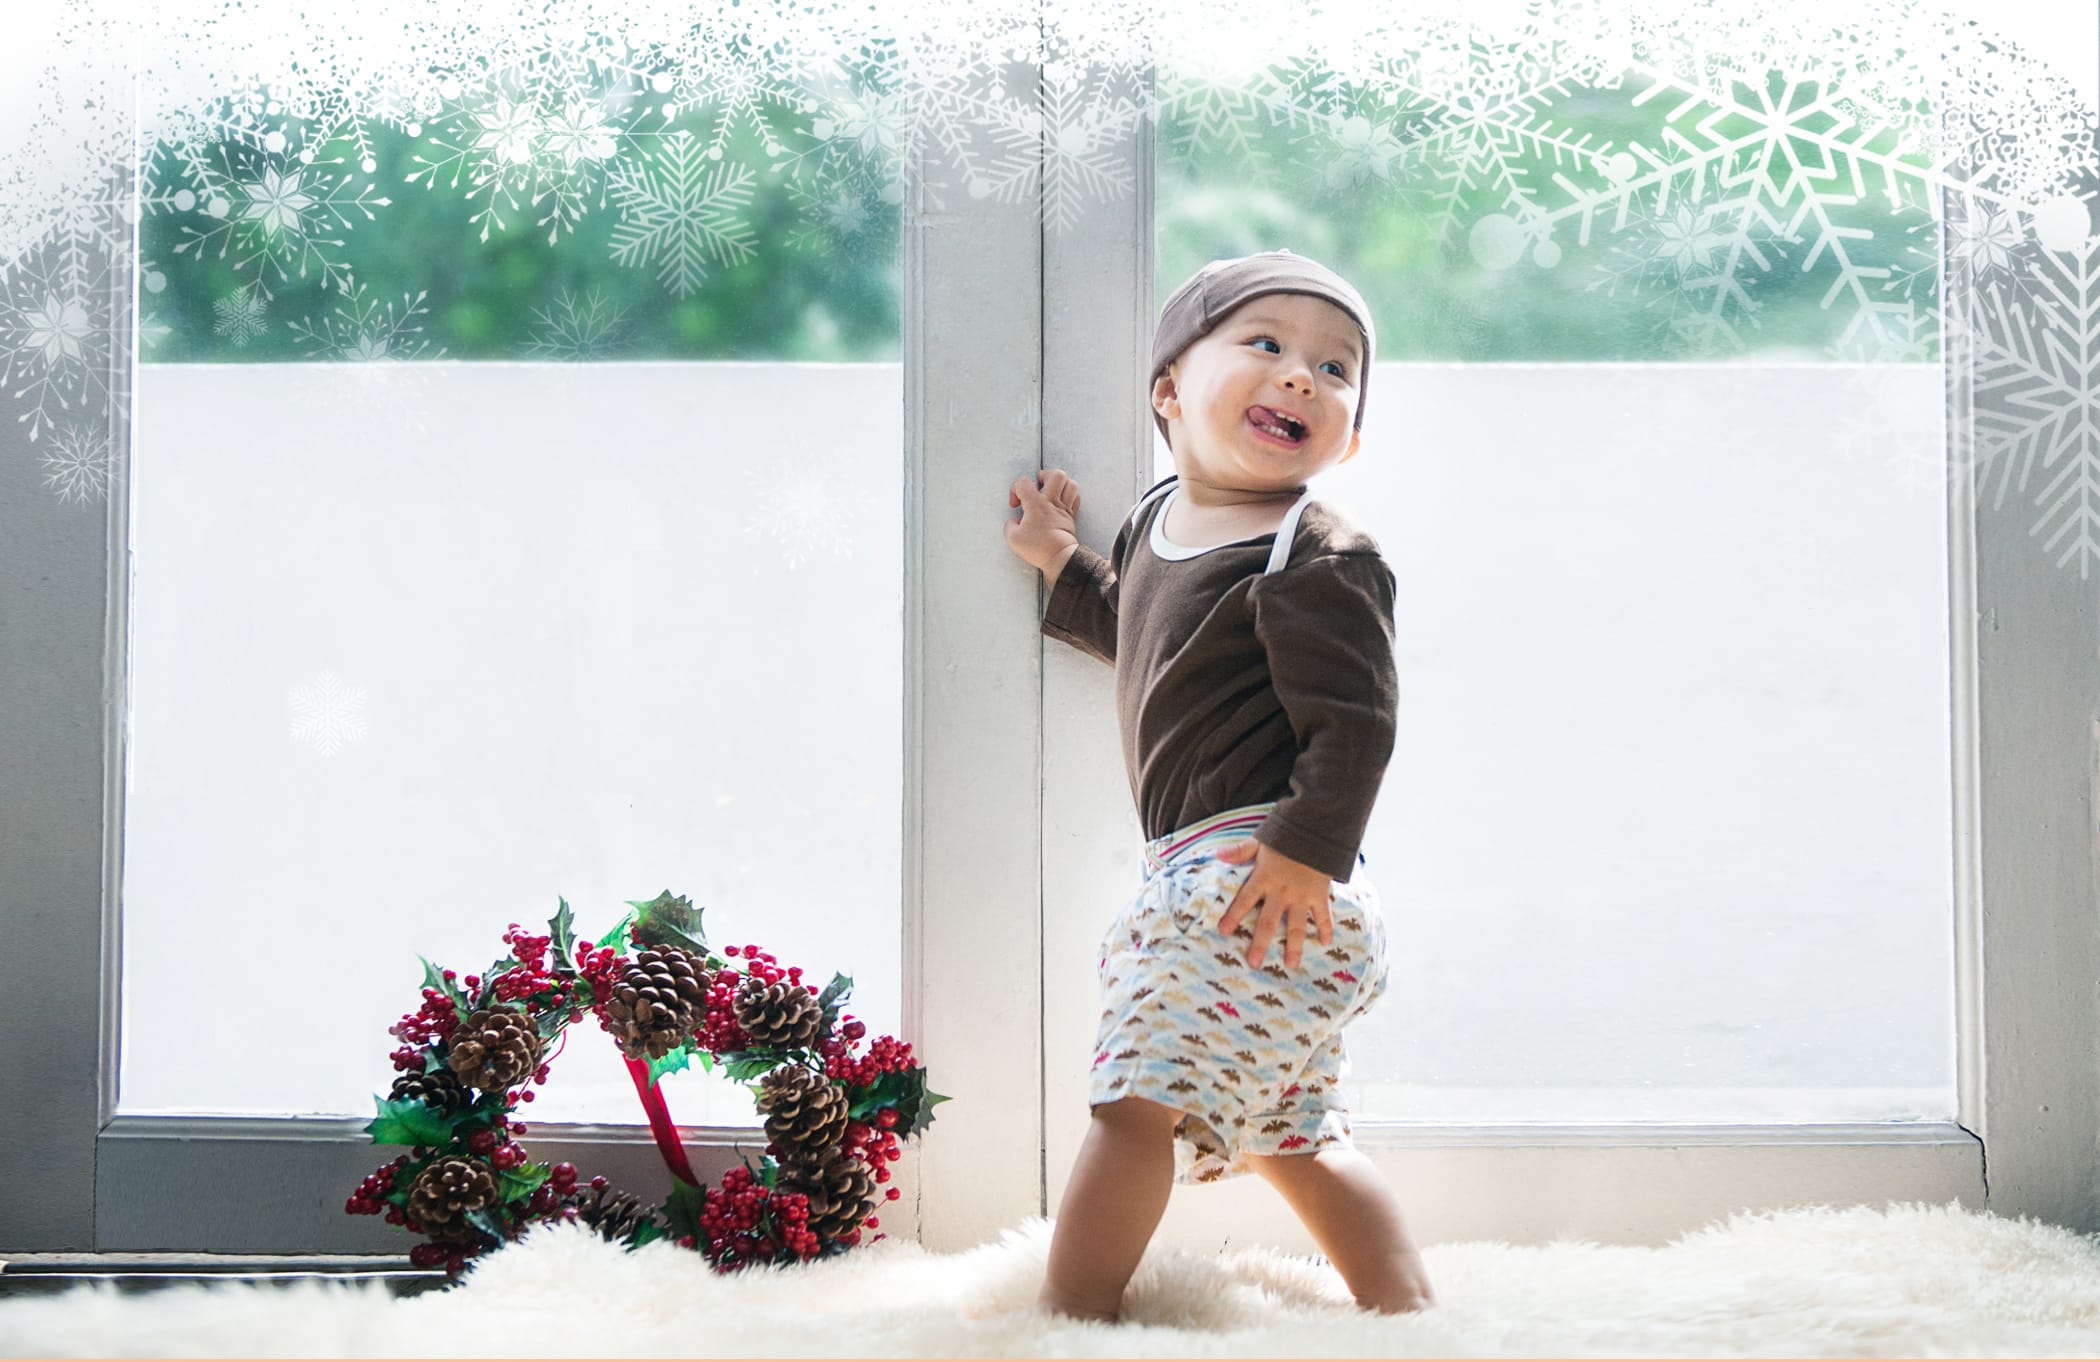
x=1049, y=523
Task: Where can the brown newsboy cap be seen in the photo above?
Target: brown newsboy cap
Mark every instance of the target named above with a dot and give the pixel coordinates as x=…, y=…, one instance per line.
x=1215, y=290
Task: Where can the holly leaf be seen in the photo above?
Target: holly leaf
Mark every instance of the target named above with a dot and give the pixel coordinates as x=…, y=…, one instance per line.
x=648, y=1232
x=832, y=998
x=683, y=1209
x=768, y=1172
x=552, y=1021
x=433, y=977
x=410, y=1121
x=486, y=1221
x=562, y=927
x=617, y=938
x=518, y=1183
x=904, y=1089
x=670, y=1062
x=745, y=1065
x=670, y=920
x=705, y=1060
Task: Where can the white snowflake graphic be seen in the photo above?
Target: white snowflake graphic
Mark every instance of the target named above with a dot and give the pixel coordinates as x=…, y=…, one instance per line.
x=2037, y=395
x=268, y=218
x=241, y=315
x=325, y=714
x=804, y=513
x=578, y=327
x=518, y=156
x=55, y=331
x=77, y=465
x=679, y=208
x=362, y=328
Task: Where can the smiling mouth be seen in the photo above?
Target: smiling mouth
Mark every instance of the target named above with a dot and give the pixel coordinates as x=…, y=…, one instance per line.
x=1276, y=429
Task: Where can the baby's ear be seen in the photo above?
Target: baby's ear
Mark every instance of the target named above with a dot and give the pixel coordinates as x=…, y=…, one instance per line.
x=1165, y=399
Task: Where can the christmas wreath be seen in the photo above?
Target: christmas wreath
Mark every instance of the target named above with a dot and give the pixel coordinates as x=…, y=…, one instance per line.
x=478, y=1045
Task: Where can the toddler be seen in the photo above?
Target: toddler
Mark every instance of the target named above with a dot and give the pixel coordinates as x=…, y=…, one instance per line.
x=1251, y=630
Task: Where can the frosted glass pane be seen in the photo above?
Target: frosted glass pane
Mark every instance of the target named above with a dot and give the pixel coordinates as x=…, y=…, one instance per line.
x=419, y=649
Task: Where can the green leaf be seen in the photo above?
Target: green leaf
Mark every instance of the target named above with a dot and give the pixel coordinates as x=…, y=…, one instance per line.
x=433, y=977
x=487, y=1222
x=904, y=1089
x=769, y=1172
x=670, y=920
x=648, y=1232
x=409, y=1121
x=706, y=1060
x=683, y=1209
x=552, y=1021
x=671, y=1062
x=562, y=927
x=832, y=998
x=519, y=1183
x=745, y=1065
x=616, y=939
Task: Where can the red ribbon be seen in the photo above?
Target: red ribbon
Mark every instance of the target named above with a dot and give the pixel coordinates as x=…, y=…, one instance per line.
x=660, y=1124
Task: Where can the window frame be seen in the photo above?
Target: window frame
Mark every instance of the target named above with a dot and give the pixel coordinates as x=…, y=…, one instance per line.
x=989, y=916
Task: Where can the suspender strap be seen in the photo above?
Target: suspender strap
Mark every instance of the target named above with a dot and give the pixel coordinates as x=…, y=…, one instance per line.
x=1285, y=533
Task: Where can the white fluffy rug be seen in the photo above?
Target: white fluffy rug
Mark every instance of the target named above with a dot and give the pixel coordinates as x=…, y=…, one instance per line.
x=1908, y=1281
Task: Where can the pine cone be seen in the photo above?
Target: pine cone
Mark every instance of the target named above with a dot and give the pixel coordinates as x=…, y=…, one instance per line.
x=440, y=1090
x=443, y=1193
x=841, y=1191
x=495, y=1048
x=657, y=1002
x=805, y=1111
x=614, y=1214
x=778, y=1016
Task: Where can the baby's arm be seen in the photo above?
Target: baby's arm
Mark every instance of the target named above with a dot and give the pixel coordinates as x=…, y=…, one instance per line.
x=1327, y=626
x=1081, y=609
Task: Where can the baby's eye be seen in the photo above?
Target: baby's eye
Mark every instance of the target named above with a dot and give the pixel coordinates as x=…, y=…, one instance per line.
x=1340, y=370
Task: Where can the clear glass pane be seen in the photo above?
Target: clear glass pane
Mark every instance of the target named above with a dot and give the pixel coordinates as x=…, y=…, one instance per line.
x=422, y=647
x=1666, y=834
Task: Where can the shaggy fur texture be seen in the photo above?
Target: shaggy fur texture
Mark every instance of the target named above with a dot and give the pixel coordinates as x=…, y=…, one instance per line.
x=1909, y=1280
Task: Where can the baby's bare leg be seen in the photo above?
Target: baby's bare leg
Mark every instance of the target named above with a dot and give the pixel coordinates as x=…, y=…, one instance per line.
x=1112, y=1204
x=1354, y=1217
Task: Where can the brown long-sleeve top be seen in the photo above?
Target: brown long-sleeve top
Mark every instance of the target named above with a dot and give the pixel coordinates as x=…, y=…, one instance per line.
x=1235, y=686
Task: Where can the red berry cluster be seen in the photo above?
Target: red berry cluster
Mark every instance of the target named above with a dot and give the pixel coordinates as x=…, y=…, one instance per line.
x=874, y=1145
x=600, y=967
x=886, y=1055
x=370, y=1196
x=436, y=1019
x=744, y=1222
x=546, y=1199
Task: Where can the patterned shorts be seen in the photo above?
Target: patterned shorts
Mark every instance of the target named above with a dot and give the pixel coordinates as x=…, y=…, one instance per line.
x=1253, y=1057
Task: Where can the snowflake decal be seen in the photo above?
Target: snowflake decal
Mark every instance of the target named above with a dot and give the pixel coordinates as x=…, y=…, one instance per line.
x=325, y=714
x=77, y=466
x=578, y=327
x=241, y=315
x=362, y=328
x=679, y=211
x=804, y=513
x=55, y=332
x=274, y=220
x=518, y=157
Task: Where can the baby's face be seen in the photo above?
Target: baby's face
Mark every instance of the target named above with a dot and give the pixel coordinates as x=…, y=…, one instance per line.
x=1274, y=356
